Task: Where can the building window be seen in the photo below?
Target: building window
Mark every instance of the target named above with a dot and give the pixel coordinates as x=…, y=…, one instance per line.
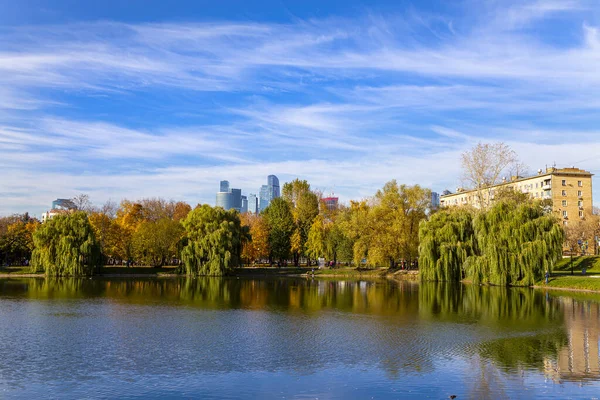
x=579, y=194
x=564, y=203
x=564, y=192
x=565, y=215
x=580, y=214
x=580, y=203
x=565, y=223
x=564, y=182
x=580, y=183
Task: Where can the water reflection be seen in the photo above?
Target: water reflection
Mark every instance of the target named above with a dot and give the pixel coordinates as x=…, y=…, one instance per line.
x=578, y=358
x=488, y=341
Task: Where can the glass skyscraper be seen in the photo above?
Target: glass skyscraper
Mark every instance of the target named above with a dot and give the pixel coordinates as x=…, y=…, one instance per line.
x=263, y=199
x=273, y=184
x=253, y=204
x=224, y=186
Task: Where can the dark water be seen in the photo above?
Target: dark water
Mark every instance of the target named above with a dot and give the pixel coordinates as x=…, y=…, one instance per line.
x=292, y=338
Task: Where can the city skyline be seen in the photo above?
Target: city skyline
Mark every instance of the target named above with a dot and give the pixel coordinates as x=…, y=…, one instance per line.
x=133, y=102
x=233, y=198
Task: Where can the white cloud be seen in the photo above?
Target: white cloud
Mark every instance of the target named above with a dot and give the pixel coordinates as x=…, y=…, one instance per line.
x=345, y=103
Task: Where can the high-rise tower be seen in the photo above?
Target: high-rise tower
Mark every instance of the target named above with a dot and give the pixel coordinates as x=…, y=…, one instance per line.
x=273, y=187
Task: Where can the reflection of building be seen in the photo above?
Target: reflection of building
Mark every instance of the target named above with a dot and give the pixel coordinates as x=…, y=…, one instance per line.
x=59, y=206
x=330, y=202
x=580, y=359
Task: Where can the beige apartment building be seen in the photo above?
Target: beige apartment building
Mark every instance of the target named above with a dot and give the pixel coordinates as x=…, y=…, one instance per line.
x=570, y=190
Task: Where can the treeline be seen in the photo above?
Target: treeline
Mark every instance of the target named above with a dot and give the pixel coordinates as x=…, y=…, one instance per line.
x=296, y=228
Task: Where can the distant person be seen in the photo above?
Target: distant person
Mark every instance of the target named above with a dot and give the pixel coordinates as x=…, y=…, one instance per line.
x=547, y=276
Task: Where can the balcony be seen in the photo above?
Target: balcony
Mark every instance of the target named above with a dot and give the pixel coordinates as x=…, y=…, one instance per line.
x=546, y=187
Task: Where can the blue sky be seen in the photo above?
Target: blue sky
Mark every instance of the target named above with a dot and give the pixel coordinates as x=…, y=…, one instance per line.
x=152, y=98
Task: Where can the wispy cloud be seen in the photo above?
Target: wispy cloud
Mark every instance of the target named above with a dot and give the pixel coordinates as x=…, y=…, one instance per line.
x=122, y=109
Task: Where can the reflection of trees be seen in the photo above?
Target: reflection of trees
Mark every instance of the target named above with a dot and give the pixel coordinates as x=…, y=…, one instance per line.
x=533, y=322
x=512, y=309
x=402, y=327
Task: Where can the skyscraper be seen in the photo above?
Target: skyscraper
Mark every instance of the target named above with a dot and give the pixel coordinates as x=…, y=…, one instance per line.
x=244, y=208
x=253, y=204
x=263, y=201
x=224, y=186
x=225, y=200
x=237, y=199
x=273, y=187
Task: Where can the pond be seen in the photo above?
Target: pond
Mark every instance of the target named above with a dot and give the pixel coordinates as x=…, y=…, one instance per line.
x=293, y=338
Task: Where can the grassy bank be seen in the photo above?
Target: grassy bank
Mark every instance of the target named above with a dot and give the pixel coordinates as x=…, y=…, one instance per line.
x=561, y=277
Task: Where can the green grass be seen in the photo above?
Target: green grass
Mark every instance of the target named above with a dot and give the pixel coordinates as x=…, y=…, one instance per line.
x=591, y=263
x=587, y=282
x=561, y=276
x=15, y=270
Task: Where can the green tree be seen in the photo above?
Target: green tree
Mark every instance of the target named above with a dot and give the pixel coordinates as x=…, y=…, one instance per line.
x=214, y=240
x=509, y=244
x=66, y=246
x=155, y=242
x=280, y=221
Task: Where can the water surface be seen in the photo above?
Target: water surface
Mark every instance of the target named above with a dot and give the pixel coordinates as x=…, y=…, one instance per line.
x=292, y=338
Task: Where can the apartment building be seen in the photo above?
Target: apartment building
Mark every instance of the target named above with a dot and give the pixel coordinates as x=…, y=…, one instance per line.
x=570, y=190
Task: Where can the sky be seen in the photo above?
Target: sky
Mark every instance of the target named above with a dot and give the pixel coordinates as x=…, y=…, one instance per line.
x=144, y=98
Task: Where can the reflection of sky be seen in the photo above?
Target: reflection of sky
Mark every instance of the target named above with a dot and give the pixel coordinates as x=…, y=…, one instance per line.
x=109, y=347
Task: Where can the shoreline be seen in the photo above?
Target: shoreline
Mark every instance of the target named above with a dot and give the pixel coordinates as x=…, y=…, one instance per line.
x=348, y=273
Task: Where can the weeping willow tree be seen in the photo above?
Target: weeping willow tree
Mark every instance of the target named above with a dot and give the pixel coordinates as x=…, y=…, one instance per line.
x=510, y=244
x=214, y=239
x=517, y=243
x=446, y=242
x=66, y=246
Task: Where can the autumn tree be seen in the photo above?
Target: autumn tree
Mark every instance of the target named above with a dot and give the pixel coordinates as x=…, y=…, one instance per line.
x=66, y=246
x=315, y=245
x=214, y=240
x=394, y=222
x=130, y=216
x=110, y=235
x=305, y=207
x=355, y=224
x=16, y=238
x=484, y=165
x=181, y=210
x=280, y=221
x=258, y=246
